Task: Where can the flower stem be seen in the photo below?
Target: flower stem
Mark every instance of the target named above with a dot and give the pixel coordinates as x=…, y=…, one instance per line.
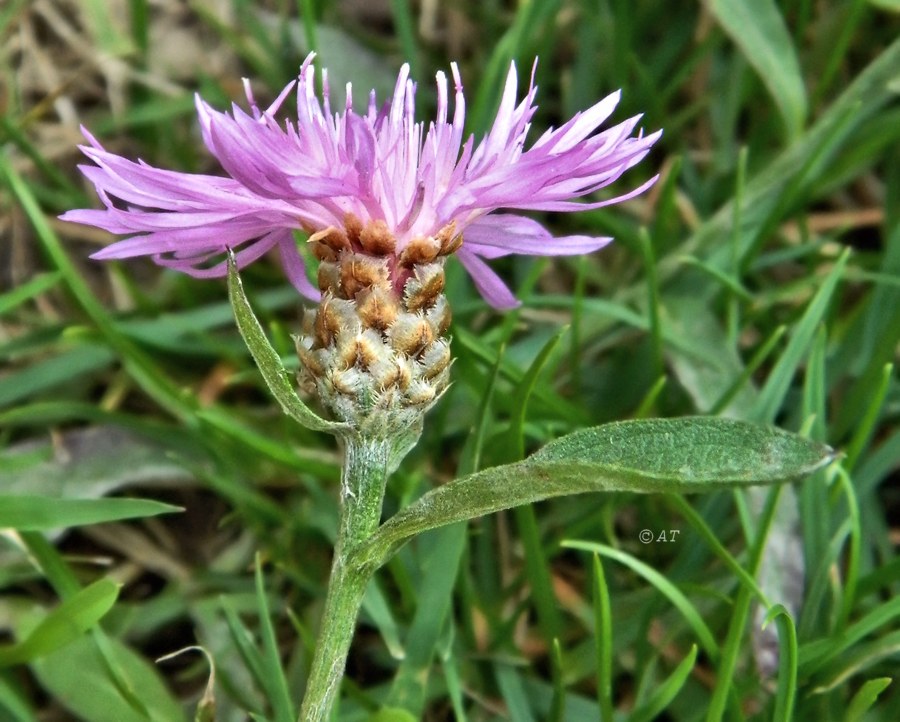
x=366, y=466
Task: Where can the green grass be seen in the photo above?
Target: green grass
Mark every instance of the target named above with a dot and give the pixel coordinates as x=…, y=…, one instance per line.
x=760, y=279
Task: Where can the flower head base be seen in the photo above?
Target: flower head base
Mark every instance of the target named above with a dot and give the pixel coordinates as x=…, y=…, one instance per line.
x=374, y=350
x=380, y=167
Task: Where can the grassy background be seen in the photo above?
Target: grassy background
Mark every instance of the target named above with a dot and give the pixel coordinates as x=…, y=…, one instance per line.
x=759, y=279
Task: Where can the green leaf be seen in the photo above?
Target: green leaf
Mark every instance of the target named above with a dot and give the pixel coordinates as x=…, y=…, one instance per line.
x=35, y=287
x=758, y=29
x=690, y=613
x=243, y=641
x=667, y=691
x=276, y=685
x=763, y=197
x=558, y=701
x=815, y=655
x=64, y=624
x=890, y=5
x=867, y=696
x=684, y=455
x=79, y=677
x=92, y=461
x=512, y=689
x=146, y=373
x=441, y=556
x=523, y=395
x=34, y=513
x=392, y=714
x=68, y=368
x=772, y=396
x=13, y=706
x=787, y=661
x=603, y=639
x=267, y=359
x=864, y=656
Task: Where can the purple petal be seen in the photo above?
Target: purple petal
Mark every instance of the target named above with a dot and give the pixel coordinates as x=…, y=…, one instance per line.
x=313, y=170
x=193, y=265
x=295, y=269
x=569, y=206
x=501, y=234
x=488, y=283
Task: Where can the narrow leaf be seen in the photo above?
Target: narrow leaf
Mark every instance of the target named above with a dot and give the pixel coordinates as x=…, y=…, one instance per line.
x=758, y=29
x=391, y=714
x=523, y=394
x=440, y=564
x=764, y=194
x=603, y=635
x=243, y=640
x=36, y=286
x=64, y=675
x=867, y=696
x=267, y=359
x=771, y=397
x=867, y=655
x=13, y=705
x=667, y=691
x=787, y=657
x=646, y=456
x=558, y=701
x=64, y=624
x=276, y=685
x=513, y=691
x=690, y=613
x=34, y=513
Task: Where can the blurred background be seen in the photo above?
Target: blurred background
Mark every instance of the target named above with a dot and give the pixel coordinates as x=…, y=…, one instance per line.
x=760, y=279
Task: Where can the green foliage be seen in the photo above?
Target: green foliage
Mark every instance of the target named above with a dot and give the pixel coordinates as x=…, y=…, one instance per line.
x=278, y=380
x=758, y=29
x=685, y=455
x=33, y=513
x=80, y=675
x=757, y=281
x=64, y=624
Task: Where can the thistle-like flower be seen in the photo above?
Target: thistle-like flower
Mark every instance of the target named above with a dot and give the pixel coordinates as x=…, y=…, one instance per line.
x=383, y=201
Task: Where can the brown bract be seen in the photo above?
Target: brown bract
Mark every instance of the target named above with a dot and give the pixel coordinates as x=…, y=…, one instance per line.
x=374, y=349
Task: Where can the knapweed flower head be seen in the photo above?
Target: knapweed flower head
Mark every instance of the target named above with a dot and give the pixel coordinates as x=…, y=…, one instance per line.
x=377, y=181
x=383, y=201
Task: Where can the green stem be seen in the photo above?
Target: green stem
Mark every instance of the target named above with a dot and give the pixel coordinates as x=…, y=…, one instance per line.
x=366, y=467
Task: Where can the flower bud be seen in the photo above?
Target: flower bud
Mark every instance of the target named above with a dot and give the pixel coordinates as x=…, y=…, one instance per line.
x=374, y=349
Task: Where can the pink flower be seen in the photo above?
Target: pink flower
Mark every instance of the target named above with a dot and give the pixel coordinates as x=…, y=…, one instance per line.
x=381, y=165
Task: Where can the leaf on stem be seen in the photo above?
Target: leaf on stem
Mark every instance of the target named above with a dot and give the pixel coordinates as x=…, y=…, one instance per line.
x=277, y=378
x=683, y=455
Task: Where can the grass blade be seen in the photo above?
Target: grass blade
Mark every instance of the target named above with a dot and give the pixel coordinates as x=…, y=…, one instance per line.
x=690, y=613
x=603, y=637
x=277, y=687
x=668, y=690
x=787, y=662
x=64, y=624
x=758, y=29
x=268, y=361
x=36, y=513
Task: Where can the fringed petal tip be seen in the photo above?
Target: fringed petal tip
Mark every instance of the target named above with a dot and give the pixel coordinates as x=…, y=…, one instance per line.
x=75, y=216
